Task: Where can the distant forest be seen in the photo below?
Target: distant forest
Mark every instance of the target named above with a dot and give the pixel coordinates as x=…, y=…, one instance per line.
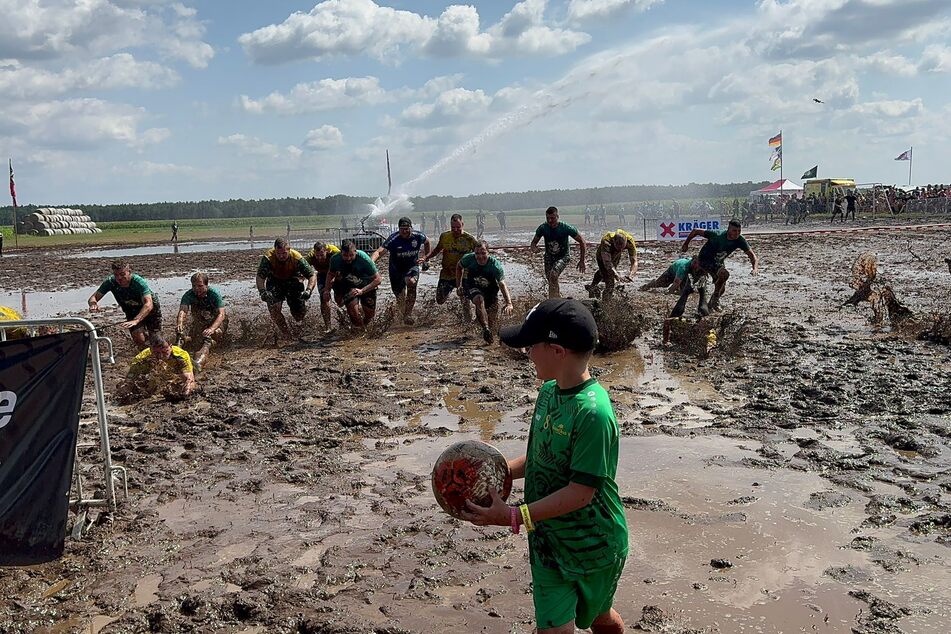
x=356, y=205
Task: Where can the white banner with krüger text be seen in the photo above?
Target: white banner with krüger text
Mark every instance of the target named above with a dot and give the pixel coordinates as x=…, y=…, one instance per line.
x=680, y=229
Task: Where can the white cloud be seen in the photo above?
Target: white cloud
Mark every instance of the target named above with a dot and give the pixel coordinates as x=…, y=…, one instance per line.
x=61, y=29
x=150, y=168
x=936, y=59
x=82, y=124
x=452, y=106
x=600, y=9
x=118, y=71
x=253, y=146
x=326, y=137
x=888, y=63
x=354, y=27
x=326, y=94
x=893, y=108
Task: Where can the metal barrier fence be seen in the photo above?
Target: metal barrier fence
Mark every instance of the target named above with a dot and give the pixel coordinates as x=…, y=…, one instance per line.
x=928, y=206
x=78, y=499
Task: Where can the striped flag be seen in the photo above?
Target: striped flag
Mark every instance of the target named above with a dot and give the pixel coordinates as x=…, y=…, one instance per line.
x=13, y=187
x=777, y=164
x=776, y=141
x=904, y=156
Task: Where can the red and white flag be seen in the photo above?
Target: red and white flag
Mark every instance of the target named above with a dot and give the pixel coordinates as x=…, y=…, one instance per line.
x=904, y=156
x=13, y=187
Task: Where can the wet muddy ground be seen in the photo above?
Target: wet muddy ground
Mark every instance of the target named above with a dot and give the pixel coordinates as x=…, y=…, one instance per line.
x=799, y=481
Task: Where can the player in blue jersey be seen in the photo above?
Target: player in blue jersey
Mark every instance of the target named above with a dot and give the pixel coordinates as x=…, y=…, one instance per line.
x=404, y=247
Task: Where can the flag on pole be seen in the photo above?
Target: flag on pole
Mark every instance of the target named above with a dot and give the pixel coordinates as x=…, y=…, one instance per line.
x=777, y=164
x=777, y=154
x=904, y=156
x=776, y=141
x=13, y=187
x=811, y=173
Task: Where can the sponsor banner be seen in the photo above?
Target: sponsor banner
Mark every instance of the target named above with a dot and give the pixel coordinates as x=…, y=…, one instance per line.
x=41, y=388
x=680, y=229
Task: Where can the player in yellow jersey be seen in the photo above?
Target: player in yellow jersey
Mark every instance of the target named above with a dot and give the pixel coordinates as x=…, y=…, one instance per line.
x=453, y=244
x=608, y=256
x=279, y=278
x=319, y=258
x=161, y=367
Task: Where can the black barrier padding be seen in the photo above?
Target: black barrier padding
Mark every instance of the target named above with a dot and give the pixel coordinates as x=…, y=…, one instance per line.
x=41, y=389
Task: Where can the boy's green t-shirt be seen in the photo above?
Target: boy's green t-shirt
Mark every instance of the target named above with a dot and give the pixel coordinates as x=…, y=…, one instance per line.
x=574, y=437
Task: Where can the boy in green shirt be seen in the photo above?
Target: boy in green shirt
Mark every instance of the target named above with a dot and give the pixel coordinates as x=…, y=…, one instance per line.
x=573, y=513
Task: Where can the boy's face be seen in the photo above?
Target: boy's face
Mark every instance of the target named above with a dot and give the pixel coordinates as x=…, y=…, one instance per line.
x=546, y=357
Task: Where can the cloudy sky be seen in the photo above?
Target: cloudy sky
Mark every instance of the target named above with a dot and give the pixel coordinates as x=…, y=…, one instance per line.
x=149, y=100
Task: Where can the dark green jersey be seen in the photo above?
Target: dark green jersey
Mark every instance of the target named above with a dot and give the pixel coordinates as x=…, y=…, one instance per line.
x=356, y=274
x=556, y=240
x=718, y=246
x=212, y=302
x=484, y=276
x=574, y=437
x=130, y=298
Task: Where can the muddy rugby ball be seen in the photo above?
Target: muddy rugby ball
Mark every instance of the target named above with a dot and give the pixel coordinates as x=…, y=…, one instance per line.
x=466, y=471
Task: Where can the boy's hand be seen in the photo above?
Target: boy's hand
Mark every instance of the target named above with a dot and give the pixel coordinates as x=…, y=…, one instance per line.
x=497, y=514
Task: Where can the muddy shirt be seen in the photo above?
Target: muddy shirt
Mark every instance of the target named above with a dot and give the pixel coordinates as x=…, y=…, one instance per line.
x=404, y=252
x=356, y=274
x=331, y=250
x=681, y=267
x=556, y=240
x=294, y=266
x=483, y=276
x=130, y=298
x=607, y=243
x=453, y=249
x=210, y=304
x=172, y=368
x=718, y=246
x=574, y=438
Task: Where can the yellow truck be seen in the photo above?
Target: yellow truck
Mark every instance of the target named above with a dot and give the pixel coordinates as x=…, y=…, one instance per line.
x=827, y=188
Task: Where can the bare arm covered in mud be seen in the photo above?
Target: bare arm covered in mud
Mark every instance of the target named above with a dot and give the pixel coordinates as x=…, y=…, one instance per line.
x=753, y=260
x=696, y=233
x=507, y=308
x=375, y=256
x=582, y=245
x=427, y=247
x=143, y=313
x=328, y=284
x=93, y=300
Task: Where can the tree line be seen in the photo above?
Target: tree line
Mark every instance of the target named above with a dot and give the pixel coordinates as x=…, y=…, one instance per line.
x=341, y=204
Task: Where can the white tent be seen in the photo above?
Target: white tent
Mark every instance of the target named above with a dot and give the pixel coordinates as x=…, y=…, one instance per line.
x=782, y=186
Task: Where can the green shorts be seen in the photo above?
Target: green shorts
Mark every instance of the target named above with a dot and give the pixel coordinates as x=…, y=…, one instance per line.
x=559, y=600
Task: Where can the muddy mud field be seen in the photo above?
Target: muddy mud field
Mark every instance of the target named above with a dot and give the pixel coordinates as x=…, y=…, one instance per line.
x=796, y=478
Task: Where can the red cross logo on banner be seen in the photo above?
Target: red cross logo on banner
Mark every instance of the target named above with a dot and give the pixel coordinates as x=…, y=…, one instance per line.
x=666, y=229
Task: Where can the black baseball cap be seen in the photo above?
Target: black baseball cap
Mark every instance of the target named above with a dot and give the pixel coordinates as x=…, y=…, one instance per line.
x=566, y=322
x=405, y=222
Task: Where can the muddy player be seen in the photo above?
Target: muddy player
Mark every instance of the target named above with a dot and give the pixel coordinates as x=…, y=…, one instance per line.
x=141, y=307
x=453, y=245
x=578, y=535
x=479, y=279
x=608, y=256
x=209, y=319
x=719, y=245
x=557, y=251
x=404, y=247
x=673, y=278
x=353, y=277
x=160, y=368
x=279, y=279
x=319, y=258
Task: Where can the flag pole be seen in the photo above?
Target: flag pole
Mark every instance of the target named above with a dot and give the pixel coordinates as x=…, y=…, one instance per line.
x=781, y=157
x=16, y=240
x=911, y=159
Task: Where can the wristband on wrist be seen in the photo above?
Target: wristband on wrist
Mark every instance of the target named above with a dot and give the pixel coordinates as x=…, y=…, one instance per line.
x=526, y=518
x=513, y=518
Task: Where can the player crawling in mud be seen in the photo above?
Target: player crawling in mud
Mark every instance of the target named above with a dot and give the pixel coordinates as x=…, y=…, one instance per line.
x=160, y=368
x=279, y=279
x=719, y=245
x=577, y=534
